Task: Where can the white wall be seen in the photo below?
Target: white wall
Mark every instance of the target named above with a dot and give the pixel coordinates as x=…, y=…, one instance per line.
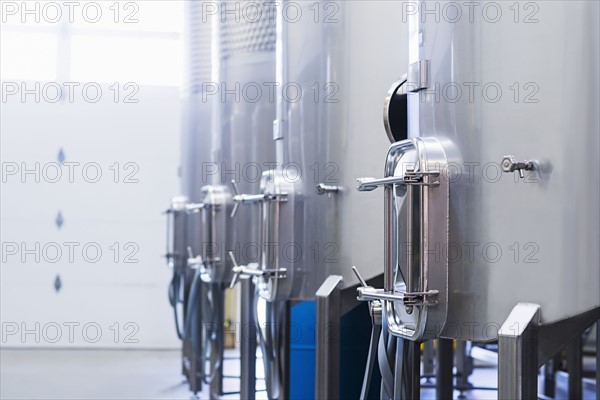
x=108, y=291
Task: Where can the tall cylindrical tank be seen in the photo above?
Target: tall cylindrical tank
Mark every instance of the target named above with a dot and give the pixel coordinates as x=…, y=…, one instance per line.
x=538, y=234
x=312, y=223
x=226, y=138
x=197, y=126
x=183, y=233
x=328, y=119
x=242, y=146
x=495, y=199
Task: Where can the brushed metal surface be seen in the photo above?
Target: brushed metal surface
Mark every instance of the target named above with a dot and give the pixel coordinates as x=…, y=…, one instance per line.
x=240, y=144
x=532, y=239
x=332, y=135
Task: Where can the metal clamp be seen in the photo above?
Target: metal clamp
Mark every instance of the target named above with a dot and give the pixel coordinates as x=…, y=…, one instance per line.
x=428, y=298
x=411, y=177
x=375, y=308
x=252, y=198
x=251, y=270
x=179, y=206
x=174, y=214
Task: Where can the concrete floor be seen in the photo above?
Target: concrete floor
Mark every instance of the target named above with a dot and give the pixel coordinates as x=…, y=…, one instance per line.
x=135, y=374
x=100, y=374
x=91, y=374
x=118, y=374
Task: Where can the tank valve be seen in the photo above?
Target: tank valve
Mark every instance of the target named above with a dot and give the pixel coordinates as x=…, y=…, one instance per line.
x=323, y=188
x=194, y=262
x=510, y=164
x=375, y=307
x=252, y=270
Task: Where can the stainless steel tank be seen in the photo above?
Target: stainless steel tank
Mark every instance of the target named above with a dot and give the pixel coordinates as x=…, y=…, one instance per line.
x=485, y=206
x=227, y=137
x=183, y=233
x=313, y=223
x=243, y=69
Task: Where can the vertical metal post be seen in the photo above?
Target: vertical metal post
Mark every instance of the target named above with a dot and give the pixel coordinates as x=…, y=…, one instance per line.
x=464, y=364
x=398, y=369
x=409, y=240
x=428, y=359
x=575, y=368
x=598, y=360
x=444, y=384
x=388, y=234
x=284, y=347
x=518, y=354
x=248, y=337
x=217, y=343
x=327, y=369
x=414, y=370
x=550, y=377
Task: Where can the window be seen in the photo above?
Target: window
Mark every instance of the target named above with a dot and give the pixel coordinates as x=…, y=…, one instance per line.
x=28, y=55
x=99, y=41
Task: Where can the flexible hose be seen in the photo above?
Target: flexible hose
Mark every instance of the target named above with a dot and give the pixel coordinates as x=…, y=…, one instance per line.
x=386, y=358
x=174, y=300
x=193, y=321
x=214, y=300
x=269, y=345
x=371, y=360
x=191, y=318
x=401, y=370
x=391, y=353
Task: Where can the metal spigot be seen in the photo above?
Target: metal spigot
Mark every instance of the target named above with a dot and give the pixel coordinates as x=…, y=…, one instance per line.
x=237, y=270
x=243, y=198
x=252, y=270
x=193, y=208
x=375, y=307
x=253, y=198
x=245, y=271
x=235, y=207
x=510, y=164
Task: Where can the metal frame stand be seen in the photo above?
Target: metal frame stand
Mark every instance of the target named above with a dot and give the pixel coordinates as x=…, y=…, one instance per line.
x=285, y=351
x=550, y=369
x=414, y=370
x=524, y=346
x=464, y=365
x=444, y=384
x=518, y=353
x=428, y=360
x=575, y=367
x=598, y=360
x=327, y=371
x=248, y=338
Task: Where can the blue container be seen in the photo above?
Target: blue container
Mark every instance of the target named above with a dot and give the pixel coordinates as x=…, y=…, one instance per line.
x=355, y=333
x=302, y=350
